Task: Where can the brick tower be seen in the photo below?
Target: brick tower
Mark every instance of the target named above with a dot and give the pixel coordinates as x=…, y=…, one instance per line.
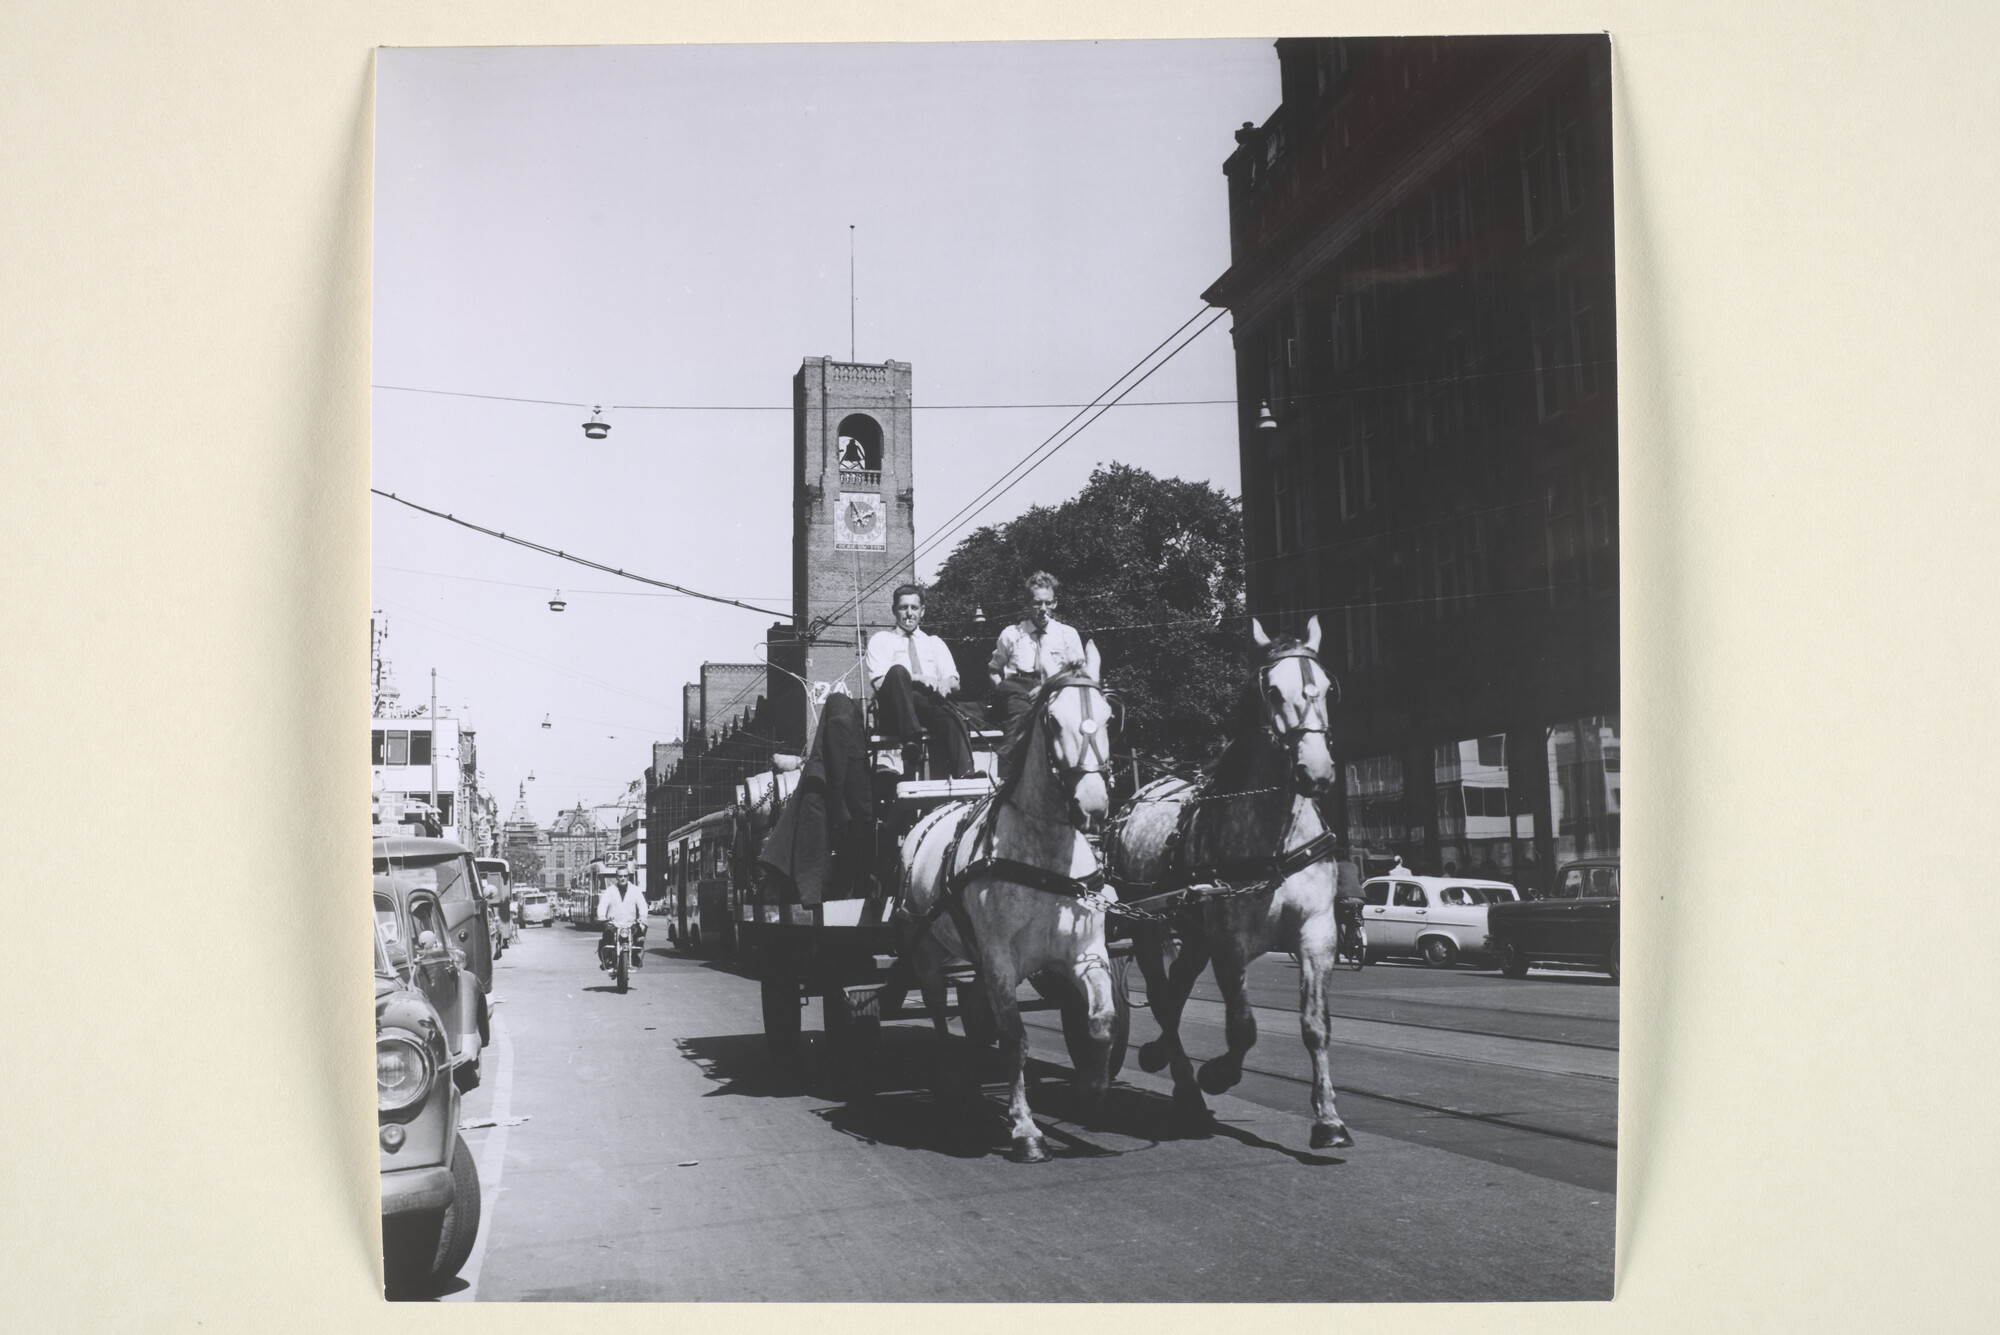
x=853, y=526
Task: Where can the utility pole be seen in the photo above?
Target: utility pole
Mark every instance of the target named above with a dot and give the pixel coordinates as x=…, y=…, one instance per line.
x=434, y=740
x=850, y=292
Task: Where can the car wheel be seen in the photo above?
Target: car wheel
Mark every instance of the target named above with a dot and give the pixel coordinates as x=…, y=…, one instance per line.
x=1439, y=952
x=461, y=1217
x=1513, y=960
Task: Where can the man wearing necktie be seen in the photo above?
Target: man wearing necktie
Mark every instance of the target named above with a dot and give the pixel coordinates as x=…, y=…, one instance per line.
x=1030, y=652
x=912, y=674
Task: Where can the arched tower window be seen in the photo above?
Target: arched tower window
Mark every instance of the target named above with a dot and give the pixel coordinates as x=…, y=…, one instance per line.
x=860, y=449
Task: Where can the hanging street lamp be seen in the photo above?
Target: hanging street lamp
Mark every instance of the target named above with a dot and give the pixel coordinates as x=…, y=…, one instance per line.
x=594, y=429
x=557, y=604
x=1266, y=422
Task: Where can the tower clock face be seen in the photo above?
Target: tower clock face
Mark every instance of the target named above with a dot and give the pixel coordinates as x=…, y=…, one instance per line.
x=858, y=520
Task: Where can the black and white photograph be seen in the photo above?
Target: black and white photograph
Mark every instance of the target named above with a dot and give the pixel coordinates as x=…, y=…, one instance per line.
x=995, y=671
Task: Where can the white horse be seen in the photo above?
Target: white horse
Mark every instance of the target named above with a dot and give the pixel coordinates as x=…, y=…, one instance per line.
x=1011, y=885
x=1243, y=866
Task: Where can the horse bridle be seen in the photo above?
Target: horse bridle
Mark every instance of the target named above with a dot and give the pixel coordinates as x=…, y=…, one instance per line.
x=1096, y=757
x=1316, y=718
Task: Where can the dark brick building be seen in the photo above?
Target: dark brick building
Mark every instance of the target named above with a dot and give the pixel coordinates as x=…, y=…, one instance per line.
x=1421, y=283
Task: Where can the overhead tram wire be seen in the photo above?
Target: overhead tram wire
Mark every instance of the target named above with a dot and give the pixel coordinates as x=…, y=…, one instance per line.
x=1046, y=450
x=580, y=560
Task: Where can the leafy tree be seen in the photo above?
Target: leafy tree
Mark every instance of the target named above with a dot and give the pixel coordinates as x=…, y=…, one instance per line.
x=1151, y=569
x=524, y=861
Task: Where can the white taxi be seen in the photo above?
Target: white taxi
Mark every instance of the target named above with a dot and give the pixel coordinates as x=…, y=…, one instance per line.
x=1439, y=918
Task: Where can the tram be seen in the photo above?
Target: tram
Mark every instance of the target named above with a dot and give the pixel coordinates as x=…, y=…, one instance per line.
x=707, y=866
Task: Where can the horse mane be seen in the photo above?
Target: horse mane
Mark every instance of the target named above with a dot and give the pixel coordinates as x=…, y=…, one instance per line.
x=1246, y=733
x=1210, y=833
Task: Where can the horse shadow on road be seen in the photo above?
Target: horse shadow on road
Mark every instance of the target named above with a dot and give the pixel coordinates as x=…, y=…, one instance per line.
x=902, y=1096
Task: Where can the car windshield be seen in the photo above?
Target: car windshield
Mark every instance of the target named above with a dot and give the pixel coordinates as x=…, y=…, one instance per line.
x=382, y=965
x=446, y=875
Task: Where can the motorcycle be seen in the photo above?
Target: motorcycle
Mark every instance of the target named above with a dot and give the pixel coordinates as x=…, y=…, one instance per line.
x=622, y=954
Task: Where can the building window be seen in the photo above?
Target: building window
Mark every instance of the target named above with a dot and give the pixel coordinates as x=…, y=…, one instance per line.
x=375, y=747
x=1493, y=751
x=1371, y=465
x=1572, y=150
x=1565, y=549
x=1429, y=256
x=1445, y=574
x=1585, y=342
x=1285, y=503
x=1364, y=643
x=1553, y=360
x=1349, y=456
x=1600, y=519
x=420, y=747
x=398, y=749
x=1538, y=186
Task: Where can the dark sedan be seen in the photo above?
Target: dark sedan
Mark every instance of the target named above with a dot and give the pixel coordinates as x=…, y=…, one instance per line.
x=1577, y=923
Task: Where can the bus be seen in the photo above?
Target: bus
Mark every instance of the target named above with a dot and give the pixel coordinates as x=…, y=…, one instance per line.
x=702, y=882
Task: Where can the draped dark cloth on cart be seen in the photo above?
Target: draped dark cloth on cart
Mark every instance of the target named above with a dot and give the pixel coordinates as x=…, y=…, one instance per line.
x=831, y=810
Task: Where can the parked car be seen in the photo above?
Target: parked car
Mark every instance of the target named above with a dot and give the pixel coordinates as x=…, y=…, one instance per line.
x=497, y=880
x=411, y=922
x=446, y=868
x=1576, y=924
x=1439, y=918
x=536, y=908
x=430, y=1184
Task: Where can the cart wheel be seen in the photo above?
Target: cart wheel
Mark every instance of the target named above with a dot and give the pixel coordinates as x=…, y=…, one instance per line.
x=853, y=1031
x=779, y=987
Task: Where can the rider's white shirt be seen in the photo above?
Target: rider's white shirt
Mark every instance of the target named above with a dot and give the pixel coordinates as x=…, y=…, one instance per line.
x=621, y=912
x=1023, y=651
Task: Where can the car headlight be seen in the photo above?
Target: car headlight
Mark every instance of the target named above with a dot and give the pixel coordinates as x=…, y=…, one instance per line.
x=403, y=1070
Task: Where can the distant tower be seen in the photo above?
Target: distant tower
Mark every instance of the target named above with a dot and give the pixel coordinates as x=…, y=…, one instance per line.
x=853, y=530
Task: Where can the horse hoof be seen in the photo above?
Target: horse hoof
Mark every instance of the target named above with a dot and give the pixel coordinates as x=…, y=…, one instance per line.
x=1218, y=1077
x=1153, y=1057
x=1189, y=1105
x=1331, y=1136
x=1029, y=1149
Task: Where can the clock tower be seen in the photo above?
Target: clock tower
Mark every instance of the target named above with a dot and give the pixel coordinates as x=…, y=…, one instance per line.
x=853, y=526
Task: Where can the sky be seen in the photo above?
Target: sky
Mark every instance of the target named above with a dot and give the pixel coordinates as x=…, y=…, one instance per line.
x=665, y=231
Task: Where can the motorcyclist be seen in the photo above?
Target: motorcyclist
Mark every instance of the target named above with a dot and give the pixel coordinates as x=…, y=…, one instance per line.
x=1347, y=896
x=622, y=905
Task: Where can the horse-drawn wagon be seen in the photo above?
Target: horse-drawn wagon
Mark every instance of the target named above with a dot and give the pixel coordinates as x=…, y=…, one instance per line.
x=930, y=884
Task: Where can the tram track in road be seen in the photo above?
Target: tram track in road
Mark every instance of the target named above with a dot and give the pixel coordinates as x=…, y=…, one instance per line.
x=1415, y=1105
x=1139, y=998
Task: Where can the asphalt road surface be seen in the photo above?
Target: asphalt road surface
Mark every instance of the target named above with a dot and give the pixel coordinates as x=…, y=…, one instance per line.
x=646, y=1147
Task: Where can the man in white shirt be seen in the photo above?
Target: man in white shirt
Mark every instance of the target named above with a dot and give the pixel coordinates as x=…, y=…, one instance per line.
x=622, y=905
x=912, y=674
x=1031, y=651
